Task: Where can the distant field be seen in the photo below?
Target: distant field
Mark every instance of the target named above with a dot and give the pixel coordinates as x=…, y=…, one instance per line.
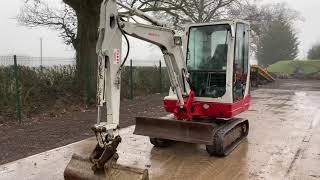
x=289, y=67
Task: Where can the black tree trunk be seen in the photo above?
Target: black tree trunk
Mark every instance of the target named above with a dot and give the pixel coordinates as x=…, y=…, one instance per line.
x=87, y=12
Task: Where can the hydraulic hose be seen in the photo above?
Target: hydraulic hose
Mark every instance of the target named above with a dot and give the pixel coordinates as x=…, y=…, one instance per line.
x=128, y=44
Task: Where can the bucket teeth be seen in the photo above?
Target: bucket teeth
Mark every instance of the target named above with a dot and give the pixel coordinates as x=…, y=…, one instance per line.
x=100, y=156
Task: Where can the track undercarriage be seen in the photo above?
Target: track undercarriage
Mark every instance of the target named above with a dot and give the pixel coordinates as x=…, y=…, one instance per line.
x=221, y=137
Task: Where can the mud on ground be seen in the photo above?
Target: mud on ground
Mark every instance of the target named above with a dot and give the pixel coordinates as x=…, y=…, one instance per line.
x=65, y=125
x=283, y=143
x=71, y=124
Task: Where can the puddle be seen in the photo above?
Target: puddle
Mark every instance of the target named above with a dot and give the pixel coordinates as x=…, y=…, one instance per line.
x=280, y=105
x=285, y=99
x=277, y=112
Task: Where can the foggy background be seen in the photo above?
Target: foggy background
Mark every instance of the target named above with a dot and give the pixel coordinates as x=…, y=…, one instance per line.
x=23, y=41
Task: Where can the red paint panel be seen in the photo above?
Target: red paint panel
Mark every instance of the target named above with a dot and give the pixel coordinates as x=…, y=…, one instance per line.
x=213, y=110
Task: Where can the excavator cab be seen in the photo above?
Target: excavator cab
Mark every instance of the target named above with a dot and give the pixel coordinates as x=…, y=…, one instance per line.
x=217, y=60
x=217, y=57
x=207, y=52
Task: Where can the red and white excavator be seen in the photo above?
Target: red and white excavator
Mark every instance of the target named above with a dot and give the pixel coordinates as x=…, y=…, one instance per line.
x=209, y=74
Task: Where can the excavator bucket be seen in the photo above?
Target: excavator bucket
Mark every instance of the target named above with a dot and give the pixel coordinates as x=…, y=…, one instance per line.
x=80, y=168
x=102, y=164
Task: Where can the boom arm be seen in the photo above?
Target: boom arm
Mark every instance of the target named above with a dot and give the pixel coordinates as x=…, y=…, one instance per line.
x=164, y=38
x=112, y=27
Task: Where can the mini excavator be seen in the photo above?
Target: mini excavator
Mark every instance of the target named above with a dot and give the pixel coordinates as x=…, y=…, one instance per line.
x=209, y=74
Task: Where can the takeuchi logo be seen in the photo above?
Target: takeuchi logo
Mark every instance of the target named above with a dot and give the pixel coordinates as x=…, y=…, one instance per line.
x=153, y=34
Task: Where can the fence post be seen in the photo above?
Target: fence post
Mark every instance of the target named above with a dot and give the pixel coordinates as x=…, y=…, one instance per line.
x=131, y=80
x=160, y=77
x=41, y=54
x=18, y=94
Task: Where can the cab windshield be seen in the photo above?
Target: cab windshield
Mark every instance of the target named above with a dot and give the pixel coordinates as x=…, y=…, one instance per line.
x=207, y=59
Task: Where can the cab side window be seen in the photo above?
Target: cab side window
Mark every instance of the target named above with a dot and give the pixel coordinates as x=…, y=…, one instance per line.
x=241, y=60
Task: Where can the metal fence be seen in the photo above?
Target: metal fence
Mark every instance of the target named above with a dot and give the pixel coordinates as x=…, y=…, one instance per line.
x=61, y=61
x=37, y=61
x=28, y=83
x=144, y=77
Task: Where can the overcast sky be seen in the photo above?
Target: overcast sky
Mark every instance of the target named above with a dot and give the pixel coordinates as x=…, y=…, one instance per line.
x=15, y=39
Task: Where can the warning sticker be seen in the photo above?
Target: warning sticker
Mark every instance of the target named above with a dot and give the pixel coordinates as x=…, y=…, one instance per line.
x=116, y=56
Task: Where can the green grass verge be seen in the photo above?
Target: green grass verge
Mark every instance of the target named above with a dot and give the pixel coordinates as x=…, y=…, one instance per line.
x=290, y=66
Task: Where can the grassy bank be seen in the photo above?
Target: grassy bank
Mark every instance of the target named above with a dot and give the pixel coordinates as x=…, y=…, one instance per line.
x=295, y=66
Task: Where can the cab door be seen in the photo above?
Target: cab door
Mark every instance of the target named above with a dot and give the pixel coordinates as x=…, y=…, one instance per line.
x=241, y=61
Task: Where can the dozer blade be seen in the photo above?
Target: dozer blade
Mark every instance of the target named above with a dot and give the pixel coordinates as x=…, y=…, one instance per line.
x=191, y=132
x=80, y=168
x=220, y=138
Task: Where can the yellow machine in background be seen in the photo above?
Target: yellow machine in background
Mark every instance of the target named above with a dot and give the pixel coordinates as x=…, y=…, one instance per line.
x=260, y=76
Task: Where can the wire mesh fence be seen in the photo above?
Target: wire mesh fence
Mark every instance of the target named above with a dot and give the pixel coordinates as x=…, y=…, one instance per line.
x=60, y=61
x=34, y=83
x=37, y=61
x=145, y=63
x=144, y=77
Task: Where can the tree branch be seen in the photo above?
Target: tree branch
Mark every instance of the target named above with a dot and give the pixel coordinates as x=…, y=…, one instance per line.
x=39, y=14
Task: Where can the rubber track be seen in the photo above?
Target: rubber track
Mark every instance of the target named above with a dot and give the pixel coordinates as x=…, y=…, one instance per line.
x=225, y=129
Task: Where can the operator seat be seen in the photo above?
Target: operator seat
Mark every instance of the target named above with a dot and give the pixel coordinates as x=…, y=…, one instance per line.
x=219, y=58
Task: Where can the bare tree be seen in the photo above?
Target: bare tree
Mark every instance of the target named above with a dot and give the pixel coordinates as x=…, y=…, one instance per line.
x=88, y=15
x=260, y=16
x=38, y=13
x=78, y=25
x=181, y=12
